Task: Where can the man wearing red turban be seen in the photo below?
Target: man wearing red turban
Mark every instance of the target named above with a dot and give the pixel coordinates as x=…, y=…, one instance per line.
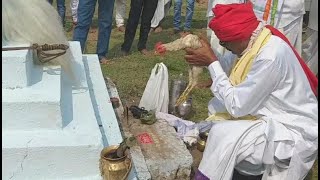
x=268, y=95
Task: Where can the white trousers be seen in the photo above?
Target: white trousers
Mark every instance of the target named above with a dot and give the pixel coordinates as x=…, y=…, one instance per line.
x=293, y=32
x=120, y=12
x=310, y=49
x=162, y=10
x=74, y=8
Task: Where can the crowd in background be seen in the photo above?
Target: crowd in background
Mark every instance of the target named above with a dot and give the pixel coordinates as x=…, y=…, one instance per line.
x=288, y=16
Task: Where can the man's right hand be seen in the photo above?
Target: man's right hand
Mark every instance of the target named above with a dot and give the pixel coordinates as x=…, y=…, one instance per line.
x=203, y=56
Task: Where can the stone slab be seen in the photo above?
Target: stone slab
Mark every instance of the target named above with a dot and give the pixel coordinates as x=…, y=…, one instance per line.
x=16, y=68
x=36, y=106
x=166, y=157
x=70, y=152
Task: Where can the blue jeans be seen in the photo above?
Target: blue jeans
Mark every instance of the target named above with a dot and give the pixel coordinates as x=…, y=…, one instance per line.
x=61, y=8
x=85, y=14
x=177, y=14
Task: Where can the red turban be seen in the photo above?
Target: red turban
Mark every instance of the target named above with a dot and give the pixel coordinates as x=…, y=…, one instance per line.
x=233, y=22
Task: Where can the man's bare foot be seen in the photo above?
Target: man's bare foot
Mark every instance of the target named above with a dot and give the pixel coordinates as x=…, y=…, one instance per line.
x=158, y=29
x=104, y=60
x=121, y=29
x=144, y=52
x=204, y=85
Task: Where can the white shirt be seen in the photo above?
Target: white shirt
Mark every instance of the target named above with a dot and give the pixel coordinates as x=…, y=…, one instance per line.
x=287, y=11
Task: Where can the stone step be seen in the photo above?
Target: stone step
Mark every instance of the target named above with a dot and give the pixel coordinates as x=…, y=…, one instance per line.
x=160, y=153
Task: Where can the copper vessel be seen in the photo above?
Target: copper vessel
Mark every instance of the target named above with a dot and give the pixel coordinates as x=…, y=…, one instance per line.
x=114, y=168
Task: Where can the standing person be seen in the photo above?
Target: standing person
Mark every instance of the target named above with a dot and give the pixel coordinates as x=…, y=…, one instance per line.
x=120, y=14
x=269, y=130
x=310, y=46
x=74, y=9
x=86, y=10
x=285, y=15
x=148, y=8
x=162, y=10
x=61, y=10
x=177, y=16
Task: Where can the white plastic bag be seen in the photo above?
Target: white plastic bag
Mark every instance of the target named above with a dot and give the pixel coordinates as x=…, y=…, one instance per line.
x=156, y=94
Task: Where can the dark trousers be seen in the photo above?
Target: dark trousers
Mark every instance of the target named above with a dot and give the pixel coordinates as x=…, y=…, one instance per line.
x=147, y=7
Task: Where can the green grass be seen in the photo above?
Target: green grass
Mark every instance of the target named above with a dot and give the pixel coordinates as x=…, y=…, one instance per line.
x=131, y=73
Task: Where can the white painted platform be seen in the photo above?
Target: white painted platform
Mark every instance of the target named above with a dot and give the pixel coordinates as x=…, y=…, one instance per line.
x=50, y=129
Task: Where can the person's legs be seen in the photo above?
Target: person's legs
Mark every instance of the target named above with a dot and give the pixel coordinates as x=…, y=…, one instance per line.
x=167, y=8
x=105, y=11
x=166, y=12
x=293, y=32
x=85, y=13
x=61, y=10
x=74, y=8
x=149, y=7
x=177, y=15
x=132, y=23
x=120, y=7
x=238, y=176
x=189, y=15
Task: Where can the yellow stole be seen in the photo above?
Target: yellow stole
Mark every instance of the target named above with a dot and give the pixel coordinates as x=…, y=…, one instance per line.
x=240, y=70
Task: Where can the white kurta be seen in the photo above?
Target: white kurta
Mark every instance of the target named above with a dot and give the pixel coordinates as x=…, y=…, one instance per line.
x=284, y=138
x=288, y=18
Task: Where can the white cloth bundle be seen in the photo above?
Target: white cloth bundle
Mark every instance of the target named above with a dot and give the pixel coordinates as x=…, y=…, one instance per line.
x=156, y=94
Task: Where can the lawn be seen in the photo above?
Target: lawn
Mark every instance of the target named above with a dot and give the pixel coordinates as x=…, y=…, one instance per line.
x=131, y=73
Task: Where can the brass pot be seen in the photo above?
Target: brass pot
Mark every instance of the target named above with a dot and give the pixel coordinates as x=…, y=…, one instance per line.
x=202, y=139
x=114, y=168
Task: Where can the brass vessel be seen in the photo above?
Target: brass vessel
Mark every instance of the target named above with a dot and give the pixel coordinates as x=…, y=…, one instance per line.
x=201, y=143
x=114, y=168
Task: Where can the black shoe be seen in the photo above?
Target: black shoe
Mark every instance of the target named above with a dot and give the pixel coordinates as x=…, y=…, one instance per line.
x=138, y=112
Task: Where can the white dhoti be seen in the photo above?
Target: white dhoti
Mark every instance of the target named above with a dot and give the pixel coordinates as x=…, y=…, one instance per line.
x=293, y=32
x=310, y=46
x=120, y=8
x=254, y=148
x=310, y=49
x=162, y=10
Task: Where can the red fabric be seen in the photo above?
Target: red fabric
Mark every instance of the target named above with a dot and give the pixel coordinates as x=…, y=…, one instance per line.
x=313, y=80
x=233, y=22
